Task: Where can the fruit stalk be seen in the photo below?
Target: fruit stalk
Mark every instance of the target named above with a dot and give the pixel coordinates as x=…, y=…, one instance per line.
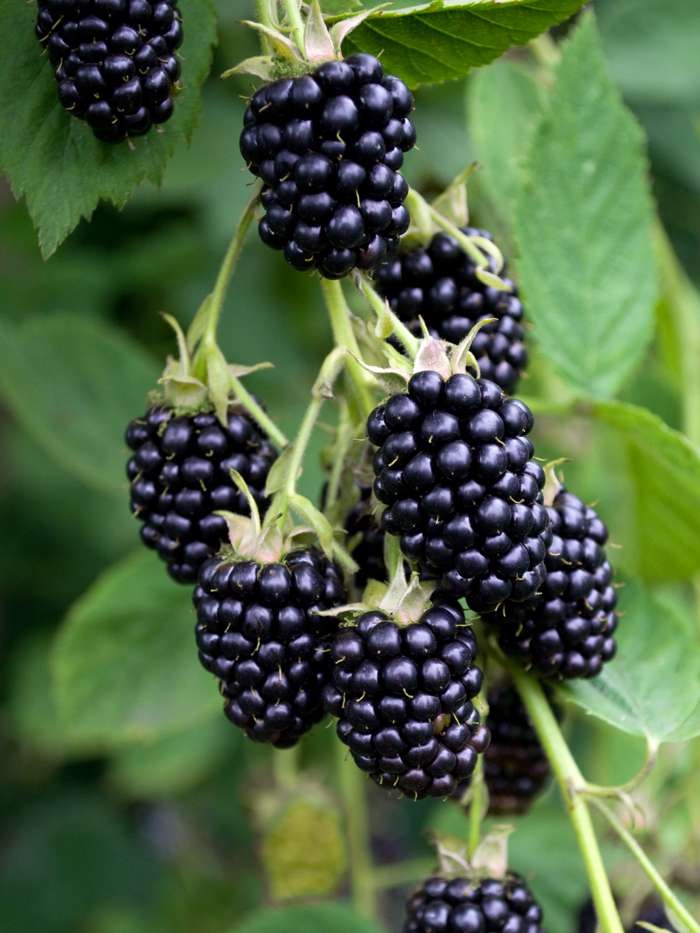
x=668, y=897
x=343, y=336
x=570, y=780
x=296, y=23
x=352, y=787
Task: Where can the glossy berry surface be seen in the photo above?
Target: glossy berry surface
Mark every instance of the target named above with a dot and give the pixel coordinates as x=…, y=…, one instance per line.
x=567, y=630
x=328, y=147
x=403, y=697
x=365, y=539
x=258, y=631
x=516, y=768
x=463, y=906
x=114, y=61
x=454, y=468
x=438, y=284
x=180, y=475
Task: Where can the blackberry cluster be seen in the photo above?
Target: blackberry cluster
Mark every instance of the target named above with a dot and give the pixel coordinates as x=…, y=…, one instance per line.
x=114, y=61
x=516, y=768
x=366, y=540
x=329, y=146
x=454, y=469
x=567, y=629
x=258, y=630
x=402, y=695
x=464, y=906
x=180, y=475
x=438, y=284
x=652, y=912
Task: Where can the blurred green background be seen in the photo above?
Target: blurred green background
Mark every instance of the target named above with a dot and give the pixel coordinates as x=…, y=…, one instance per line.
x=158, y=826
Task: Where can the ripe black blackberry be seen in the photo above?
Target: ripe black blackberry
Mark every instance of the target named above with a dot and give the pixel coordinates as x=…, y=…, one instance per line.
x=438, y=284
x=516, y=768
x=258, y=631
x=462, y=905
x=329, y=146
x=402, y=694
x=180, y=475
x=365, y=540
x=454, y=469
x=567, y=629
x=114, y=61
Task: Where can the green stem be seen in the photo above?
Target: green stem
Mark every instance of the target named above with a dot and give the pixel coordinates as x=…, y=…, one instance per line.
x=216, y=299
x=352, y=787
x=332, y=366
x=379, y=306
x=398, y=874
x=296, y=23
x=570, y=780
x=668, y=897
x=257, y=412
x=339, y=316
x=285, y=765
x=263, y=8
x=476, y=807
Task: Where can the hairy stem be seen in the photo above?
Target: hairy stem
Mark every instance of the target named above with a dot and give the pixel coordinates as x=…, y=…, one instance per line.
x=352, y=786
x=257, y=412
x=570, y=780
x=379, y=307
x=476, y=807
x=344, y=336
x=667, y=896
x=296, y=23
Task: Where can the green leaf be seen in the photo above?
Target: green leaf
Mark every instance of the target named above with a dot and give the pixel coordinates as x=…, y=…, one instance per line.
x=427, y=43
x=317, y=919
x=173, y=763
x=125, y=662
x=504, y=104
x=669, y=35
x=652, y=687
x=74, y=384
x=584, y=226
x=53, y=159
x=664, y=475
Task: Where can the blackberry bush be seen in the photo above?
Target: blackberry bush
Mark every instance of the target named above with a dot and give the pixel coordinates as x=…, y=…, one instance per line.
x=260, y=633
x=328, y=147
x=114, y=61
x=403, y=692
x=567, y=629
x=180, y=475
x=516, y=768
x=466, y=905
x=454, y=467
x=438, y=283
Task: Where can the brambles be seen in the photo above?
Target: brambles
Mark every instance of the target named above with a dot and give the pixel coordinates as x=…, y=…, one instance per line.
x=259, y=632
x=114, y=61
x=567, y=629
x=455, y=470
x=328, y=147
x=516, y=767
x=438, y=283
x=471, y=906
x=180, y=474
x=402, y=692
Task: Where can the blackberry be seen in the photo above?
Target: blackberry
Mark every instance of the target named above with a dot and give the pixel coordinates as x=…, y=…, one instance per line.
x=516, y=768
x=461, y=905
x=454, y=469
x=114, y=61
x=438, y=284
x=365, y=540
x=402, y=695
x=567, y=629
x=180, y=475
x=258, y=630
x=328, y=147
